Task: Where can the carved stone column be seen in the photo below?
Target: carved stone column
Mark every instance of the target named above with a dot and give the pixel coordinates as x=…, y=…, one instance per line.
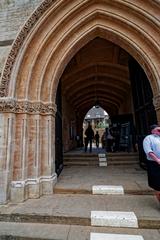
x=156, y=103
x=7, y=121
x=31, y=153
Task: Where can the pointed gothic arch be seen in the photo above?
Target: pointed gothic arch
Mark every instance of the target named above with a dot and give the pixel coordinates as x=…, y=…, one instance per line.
x=48, y=40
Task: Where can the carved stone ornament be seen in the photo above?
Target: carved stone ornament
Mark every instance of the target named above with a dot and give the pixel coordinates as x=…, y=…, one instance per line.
x=13, y=106
x=18, y=43
x=156, y=102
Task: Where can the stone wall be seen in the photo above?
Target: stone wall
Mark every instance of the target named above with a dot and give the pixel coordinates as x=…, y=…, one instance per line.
x=127, y=105
x=69, y=121
x=13, y=14
x=3, y=53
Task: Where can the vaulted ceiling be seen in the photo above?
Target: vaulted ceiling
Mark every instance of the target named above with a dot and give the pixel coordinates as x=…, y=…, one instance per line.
x=99, y=71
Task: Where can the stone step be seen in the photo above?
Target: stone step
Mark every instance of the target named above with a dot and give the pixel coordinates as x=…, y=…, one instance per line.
x=96, y=163
x=81, y=179
x=112, y=159
x=76, y=209
x=82, y=155
x=109, y=155
x=134, y=162
x=129, y=154
x=60, y=190
x=124, y=158
x=80, y=159
x=114, y=154
x=35, y=231
x=96, y=158
x=81, y=163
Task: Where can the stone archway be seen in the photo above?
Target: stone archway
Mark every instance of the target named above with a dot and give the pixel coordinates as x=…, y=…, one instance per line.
x=49, y=39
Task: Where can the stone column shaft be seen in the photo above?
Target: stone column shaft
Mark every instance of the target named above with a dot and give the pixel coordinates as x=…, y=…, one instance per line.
x=6, y=154
x=27, y=166
x=156, y=103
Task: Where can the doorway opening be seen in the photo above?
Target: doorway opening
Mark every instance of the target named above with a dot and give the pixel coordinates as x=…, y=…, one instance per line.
x=105, y=71
x=99, y=120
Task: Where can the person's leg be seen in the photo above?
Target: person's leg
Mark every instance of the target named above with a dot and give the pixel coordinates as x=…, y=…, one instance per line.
x=109, y=145
x=86, y=144
x=90, y=141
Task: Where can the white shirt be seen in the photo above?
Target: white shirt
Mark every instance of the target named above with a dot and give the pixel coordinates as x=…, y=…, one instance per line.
x=151, y=143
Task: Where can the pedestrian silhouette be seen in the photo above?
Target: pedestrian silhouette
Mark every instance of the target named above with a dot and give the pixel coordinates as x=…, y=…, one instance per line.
x=89, y=135
x=97, y=139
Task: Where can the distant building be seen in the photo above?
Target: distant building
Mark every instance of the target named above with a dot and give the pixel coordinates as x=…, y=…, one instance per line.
x=98, y=118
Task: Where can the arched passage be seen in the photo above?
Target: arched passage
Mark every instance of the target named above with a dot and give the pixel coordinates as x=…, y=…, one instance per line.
x=55, y=32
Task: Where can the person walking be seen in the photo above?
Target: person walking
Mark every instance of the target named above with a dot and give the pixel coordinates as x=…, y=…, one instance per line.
x=151, y=146
x=109, y=139
x=97, y=139
x=89, y=133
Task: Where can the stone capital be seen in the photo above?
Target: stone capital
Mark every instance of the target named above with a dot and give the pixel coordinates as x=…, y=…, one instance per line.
x=156, y=102
x=8, y=105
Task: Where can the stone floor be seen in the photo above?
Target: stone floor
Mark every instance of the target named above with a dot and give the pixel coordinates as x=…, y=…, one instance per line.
x=132, y=178
x=32, y=231
x=65, y=215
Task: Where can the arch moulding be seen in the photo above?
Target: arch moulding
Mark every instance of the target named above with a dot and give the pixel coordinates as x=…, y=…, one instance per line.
x=48, y=40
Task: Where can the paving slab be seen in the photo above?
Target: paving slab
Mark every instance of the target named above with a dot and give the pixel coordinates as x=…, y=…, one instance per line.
x=107, y=189
x=107, y=236
x=35, y=230
x=30, y=231
x=76, y=209
x=83, y=233
x=114, y=219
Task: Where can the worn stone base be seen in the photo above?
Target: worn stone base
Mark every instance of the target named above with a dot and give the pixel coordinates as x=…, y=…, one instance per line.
x=3, y=195
x=32, y=188
x=4, y=189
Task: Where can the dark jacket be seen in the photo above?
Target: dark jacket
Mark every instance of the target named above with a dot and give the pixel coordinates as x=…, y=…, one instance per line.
x=89, y=133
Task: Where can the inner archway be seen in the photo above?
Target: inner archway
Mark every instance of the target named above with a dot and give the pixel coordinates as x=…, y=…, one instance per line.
x=105, y=73
x=99, y=120
x=98, y=72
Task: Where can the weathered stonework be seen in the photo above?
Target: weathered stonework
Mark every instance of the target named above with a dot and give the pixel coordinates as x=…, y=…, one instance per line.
x=32, y=188
x=13, y=14
x=156, y=102
x=47, y=42
x=18, y=43
x=4, y=51
x=13, y=106
x=24, y=32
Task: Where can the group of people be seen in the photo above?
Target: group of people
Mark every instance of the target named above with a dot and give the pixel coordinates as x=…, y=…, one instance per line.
x=110, y=139
x=151, y=146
